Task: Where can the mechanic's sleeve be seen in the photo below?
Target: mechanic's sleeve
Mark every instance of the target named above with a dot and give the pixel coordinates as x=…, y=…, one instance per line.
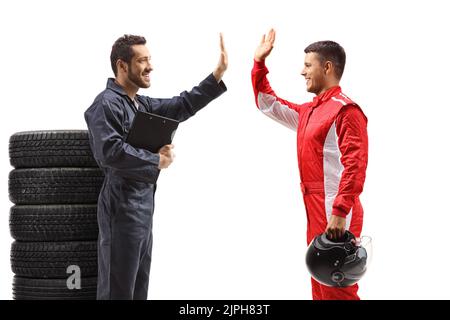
x=188, y=103
x=105, y=123
x=268, y=102
x=351, y=128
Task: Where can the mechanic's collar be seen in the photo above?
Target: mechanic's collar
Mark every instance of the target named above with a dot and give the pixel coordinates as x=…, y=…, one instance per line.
x=325, y=96
x=111, y=84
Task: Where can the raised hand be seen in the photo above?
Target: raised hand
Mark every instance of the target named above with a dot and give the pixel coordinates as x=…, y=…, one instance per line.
x=265, y=46
x=223, y=61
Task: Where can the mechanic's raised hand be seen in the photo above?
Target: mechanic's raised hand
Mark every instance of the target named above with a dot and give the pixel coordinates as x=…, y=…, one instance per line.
x=266, y=46
x=166, y=156
x=335, y=228
x=223, y=61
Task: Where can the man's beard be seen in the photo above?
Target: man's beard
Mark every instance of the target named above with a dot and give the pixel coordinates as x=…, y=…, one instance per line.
x=136, y=79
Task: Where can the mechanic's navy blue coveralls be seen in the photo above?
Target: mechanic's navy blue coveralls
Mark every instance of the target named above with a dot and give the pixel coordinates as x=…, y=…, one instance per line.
x=125, y=203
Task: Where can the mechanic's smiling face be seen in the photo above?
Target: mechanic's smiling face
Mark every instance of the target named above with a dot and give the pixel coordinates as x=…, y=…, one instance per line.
x=140, y=67
x=314, y=72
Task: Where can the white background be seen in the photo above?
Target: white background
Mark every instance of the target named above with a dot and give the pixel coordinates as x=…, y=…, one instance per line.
x=229, y=220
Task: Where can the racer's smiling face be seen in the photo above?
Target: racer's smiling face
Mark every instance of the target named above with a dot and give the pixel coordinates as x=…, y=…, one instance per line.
x=315, y=72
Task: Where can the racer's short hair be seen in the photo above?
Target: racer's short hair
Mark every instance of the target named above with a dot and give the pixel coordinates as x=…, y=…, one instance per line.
x=329, y=51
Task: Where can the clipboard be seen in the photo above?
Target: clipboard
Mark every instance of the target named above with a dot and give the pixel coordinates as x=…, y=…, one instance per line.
x=151, y=131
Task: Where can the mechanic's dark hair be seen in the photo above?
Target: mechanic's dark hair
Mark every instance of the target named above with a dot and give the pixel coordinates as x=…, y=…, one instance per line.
x=329, y=51
x=122, y=49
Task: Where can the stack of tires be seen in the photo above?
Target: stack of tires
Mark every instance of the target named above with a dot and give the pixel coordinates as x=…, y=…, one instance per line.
x=54, y=186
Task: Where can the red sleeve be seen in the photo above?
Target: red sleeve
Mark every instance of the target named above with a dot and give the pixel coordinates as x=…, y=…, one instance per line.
x=261, y=84
x=351, y=128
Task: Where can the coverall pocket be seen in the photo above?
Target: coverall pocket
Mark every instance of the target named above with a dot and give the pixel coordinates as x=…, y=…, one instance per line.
x=135, y=194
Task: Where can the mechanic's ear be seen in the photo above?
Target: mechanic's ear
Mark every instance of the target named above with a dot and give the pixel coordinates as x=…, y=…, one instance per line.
x=122, y=65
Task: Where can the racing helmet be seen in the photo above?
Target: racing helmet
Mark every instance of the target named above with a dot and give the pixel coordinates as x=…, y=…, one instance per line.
x=338, y=263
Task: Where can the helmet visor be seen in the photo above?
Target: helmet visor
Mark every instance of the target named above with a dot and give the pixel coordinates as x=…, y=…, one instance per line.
x=366, y=243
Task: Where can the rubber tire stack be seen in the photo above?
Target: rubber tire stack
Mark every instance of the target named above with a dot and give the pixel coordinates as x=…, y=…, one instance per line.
x=54, y=186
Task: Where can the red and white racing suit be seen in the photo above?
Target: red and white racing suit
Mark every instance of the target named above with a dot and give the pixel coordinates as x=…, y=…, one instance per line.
x=332, y=150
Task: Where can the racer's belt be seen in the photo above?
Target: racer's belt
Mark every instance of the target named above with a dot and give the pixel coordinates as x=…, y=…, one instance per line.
x=312, y=187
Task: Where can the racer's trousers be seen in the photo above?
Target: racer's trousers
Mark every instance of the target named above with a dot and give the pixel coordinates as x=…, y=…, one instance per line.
x=314, y=200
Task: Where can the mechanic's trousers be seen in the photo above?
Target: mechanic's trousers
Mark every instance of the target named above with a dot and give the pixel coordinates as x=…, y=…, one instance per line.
x=317, y=223
x=125, y=215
